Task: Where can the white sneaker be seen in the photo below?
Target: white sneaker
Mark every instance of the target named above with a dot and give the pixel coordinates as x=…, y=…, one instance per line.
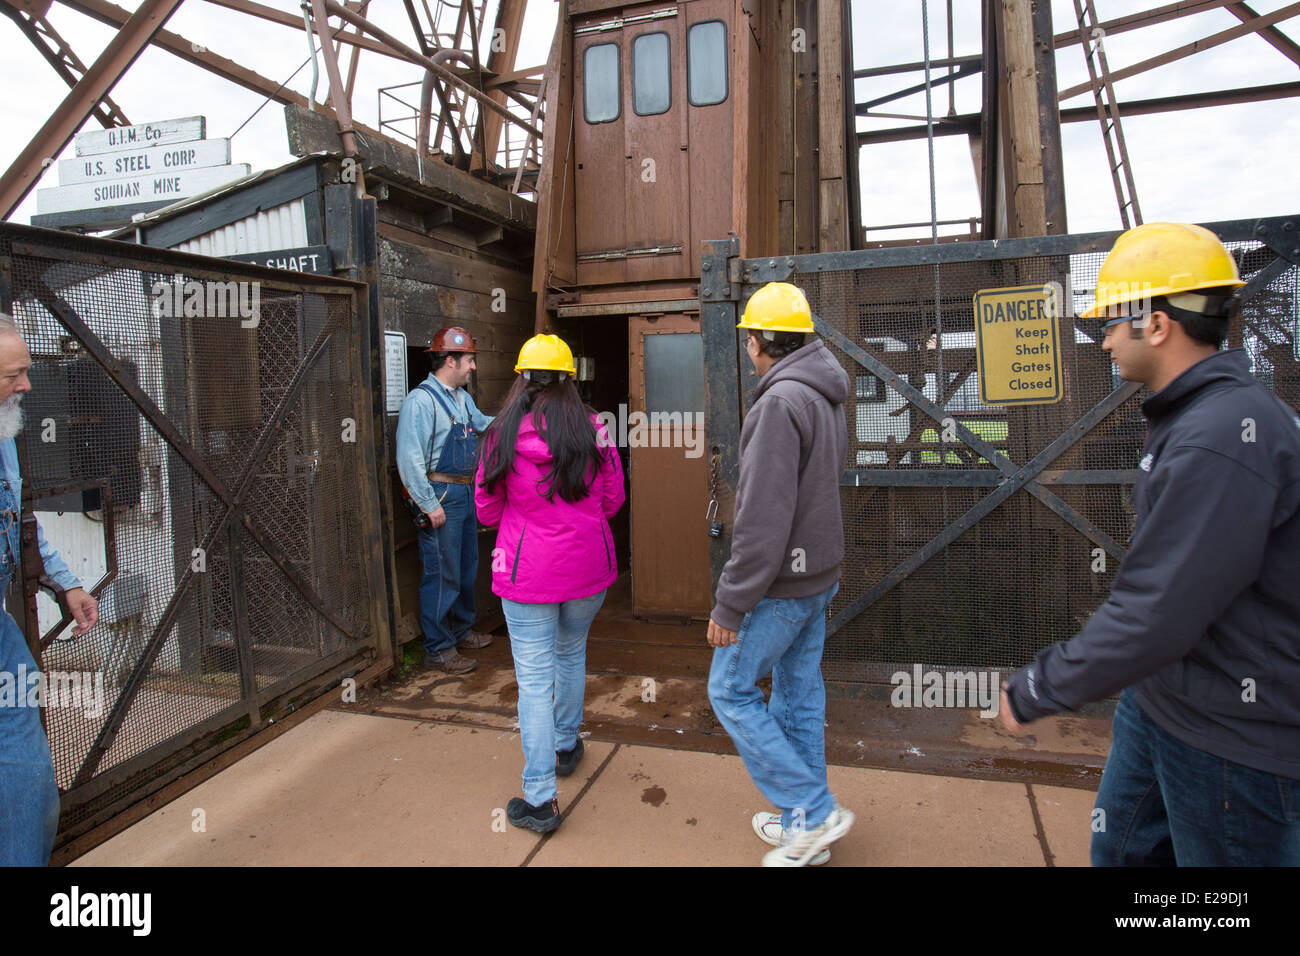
x=768, y=827
x=803, y=847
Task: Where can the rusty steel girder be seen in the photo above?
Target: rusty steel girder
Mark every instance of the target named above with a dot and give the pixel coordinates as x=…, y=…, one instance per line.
x=81, y=101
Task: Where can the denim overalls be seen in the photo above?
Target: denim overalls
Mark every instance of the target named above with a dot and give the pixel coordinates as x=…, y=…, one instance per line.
x=29, y=796
x=449, y=554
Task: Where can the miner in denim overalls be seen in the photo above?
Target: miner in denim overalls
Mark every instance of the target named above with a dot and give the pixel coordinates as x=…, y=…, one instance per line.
x=29, y=796
x=437, y=453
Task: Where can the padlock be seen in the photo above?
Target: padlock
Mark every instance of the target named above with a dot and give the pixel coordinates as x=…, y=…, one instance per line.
x=715, y=526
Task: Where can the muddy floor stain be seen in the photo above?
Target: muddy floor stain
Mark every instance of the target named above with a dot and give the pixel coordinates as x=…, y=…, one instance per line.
x=653, y=795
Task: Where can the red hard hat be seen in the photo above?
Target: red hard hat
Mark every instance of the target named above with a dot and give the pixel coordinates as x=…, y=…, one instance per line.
x=452, y=338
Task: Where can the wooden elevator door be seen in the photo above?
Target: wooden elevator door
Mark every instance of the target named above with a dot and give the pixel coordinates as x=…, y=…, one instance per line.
x=669, y=464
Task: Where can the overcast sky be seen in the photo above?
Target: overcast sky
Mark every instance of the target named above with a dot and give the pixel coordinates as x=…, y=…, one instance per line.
x=1204, y=165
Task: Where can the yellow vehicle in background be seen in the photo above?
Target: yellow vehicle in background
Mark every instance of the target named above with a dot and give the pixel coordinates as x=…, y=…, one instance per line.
x=992, y=430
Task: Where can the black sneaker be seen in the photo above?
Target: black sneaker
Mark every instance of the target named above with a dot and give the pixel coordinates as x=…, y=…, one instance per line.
x=566, y=761
x=543, y=819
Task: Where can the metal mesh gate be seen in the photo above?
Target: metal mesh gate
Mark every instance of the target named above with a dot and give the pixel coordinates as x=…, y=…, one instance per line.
x=198, y=444
x=976, y=535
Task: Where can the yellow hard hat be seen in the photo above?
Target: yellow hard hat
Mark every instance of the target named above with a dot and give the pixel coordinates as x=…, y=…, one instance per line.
x=1162, y=258
x=546, y=352
x=777, y=307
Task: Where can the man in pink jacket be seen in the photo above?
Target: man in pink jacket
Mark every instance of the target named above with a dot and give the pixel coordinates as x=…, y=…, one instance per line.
x=549, y=481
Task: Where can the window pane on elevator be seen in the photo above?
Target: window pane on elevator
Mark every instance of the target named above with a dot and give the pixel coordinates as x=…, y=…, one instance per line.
x=651, y=87
x=600, y=83
x=706, y=62
x=674, y=372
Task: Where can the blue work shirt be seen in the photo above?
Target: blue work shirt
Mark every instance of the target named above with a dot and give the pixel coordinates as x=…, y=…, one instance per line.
x=11, y=487
x=416, y=456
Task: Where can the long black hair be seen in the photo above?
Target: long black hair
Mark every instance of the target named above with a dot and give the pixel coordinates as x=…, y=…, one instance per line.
x=564, y=422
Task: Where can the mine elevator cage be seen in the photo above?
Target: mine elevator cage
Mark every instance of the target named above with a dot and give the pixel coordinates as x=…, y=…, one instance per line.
x=214, y=477
x=975, y=535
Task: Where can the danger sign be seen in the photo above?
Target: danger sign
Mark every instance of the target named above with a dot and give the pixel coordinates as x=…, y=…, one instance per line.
x=1017, y=345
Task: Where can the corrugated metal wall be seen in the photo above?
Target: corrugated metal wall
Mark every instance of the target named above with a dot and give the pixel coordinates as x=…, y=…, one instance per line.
x=280, y=227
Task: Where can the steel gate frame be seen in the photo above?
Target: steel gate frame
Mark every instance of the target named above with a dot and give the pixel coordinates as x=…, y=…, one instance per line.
x=727, y=281
x=222, y=731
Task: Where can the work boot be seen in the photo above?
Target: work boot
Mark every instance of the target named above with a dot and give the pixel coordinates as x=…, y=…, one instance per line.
x=474, y=640
x=450, y=661
x=542, y=818
x=566, y=761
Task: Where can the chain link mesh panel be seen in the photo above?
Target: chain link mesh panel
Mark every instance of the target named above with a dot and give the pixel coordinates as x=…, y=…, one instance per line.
x=205, y=619
x=1022, y=576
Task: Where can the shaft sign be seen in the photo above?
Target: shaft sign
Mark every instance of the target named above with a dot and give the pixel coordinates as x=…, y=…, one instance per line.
x=1017, y=345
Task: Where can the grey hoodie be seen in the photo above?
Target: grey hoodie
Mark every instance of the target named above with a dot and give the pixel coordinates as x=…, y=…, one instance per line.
x=788, y=537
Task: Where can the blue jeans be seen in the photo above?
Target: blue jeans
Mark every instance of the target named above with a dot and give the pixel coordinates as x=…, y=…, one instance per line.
x=1167, y=803
x=549, y=645
x=29, y=796
x=782, y=742
x=449, y=557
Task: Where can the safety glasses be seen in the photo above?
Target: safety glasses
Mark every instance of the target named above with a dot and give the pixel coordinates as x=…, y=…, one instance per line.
x=1125, y=318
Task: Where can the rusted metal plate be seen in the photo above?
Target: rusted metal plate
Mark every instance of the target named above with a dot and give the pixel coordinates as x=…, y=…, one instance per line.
x=670, y=543
x=599, y=151
x=710, y=138
x=657, y=181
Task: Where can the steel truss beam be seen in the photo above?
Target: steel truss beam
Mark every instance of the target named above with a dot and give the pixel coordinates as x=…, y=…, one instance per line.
x=81, y=101
x=967, y=123
x=60, y=54
x=1244, y=29
x=199, y=55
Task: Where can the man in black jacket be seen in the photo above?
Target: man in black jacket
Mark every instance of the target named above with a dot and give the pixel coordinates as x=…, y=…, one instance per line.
x=1202, y=626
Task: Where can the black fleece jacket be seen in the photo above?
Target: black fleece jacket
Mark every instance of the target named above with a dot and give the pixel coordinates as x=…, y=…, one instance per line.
x=1204, y=614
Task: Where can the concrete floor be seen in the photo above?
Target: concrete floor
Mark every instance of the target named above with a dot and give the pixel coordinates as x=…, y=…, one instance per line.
x=352, y=789
x=418, y=770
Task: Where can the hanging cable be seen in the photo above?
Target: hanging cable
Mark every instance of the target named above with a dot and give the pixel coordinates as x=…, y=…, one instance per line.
x=311, y=50
x=940, y=379
x=268, y=99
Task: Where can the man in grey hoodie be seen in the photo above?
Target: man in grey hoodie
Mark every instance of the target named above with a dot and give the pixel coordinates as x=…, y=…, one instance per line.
x=786, y=548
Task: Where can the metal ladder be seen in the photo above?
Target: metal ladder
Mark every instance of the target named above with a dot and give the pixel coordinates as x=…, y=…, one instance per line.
x=1112, y=133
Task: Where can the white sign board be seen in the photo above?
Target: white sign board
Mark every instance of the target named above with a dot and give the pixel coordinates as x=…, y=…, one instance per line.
x=394, y=370
x=96, y=141
x=139, y=189
x=148, y=161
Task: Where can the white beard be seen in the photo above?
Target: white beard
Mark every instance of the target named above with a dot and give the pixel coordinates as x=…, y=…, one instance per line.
x=11, y=416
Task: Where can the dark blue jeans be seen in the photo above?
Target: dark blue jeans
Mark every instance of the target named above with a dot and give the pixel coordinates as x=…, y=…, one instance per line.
x=1166, y=803
x=29, y=797
x=449, y=556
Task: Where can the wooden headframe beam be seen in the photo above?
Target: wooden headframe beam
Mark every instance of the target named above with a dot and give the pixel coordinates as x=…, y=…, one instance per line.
x=510, y=21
